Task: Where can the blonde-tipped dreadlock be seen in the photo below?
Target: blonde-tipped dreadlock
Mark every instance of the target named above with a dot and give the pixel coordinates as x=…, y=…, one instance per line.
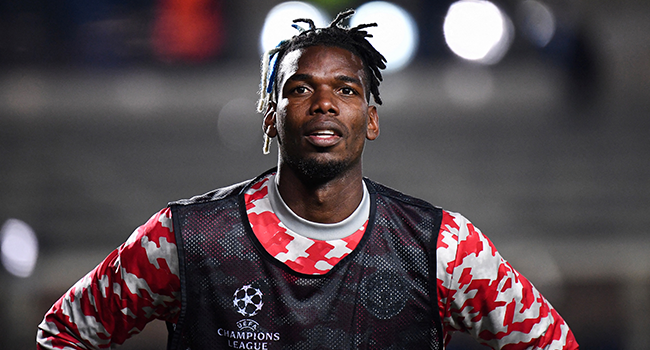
x=352, y=39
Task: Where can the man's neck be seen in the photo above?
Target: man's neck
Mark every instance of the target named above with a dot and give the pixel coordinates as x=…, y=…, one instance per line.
x=328, y=202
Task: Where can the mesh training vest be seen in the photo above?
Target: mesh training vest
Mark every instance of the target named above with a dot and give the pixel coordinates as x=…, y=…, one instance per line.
x=237, y=296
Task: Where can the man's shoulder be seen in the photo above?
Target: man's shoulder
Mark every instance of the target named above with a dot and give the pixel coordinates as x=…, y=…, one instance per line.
x=219, y=193
x=213, y=195
x=383, y=190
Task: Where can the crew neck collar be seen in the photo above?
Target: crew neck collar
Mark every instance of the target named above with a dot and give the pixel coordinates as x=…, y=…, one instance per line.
x=316, y=230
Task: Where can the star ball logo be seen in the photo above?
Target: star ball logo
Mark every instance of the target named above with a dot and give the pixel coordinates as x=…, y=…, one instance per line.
x=248, y=300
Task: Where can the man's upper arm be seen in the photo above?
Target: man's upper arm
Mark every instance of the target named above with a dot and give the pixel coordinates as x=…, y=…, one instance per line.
x=136, y=283
x=484, y=296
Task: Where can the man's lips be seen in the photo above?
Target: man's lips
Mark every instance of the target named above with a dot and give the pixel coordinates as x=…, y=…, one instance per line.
x=323, y=138
x=324, y=133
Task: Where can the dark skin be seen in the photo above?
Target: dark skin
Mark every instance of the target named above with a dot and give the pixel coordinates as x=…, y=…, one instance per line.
x=321, y=117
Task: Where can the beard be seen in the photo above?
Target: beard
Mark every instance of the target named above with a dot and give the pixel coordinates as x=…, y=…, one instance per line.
x=314, y=172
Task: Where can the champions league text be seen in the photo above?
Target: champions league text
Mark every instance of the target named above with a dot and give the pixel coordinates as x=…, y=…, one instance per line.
x=248, y=340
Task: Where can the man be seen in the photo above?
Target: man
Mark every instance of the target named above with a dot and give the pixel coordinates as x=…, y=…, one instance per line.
x=310, y=255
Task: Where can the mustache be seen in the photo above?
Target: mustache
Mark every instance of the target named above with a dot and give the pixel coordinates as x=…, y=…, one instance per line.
x=325, y=123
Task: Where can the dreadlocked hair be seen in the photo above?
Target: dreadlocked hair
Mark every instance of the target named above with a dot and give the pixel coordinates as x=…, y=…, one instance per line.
x=337, y=35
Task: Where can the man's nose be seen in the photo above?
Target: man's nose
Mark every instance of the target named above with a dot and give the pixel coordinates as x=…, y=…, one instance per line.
x=324, y=102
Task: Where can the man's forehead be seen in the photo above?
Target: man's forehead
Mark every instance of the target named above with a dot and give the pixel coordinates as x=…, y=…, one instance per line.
x=292, y=61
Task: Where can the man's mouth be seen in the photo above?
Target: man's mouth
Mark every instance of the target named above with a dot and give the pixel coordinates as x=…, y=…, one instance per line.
x=324, y=138
x=324, y=133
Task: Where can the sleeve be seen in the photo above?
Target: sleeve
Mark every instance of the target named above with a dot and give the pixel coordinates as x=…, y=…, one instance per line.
x=137, y=283
x=481, y=294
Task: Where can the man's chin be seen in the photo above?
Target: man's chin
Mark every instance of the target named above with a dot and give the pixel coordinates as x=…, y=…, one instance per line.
x=316, y=171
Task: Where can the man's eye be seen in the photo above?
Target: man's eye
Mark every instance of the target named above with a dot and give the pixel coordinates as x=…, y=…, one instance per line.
x=348, y=91
x=300, y=90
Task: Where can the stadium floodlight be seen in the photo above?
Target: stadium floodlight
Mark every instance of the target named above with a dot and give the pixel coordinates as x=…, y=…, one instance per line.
x=277, y=25
x=19, y=248
x=536, y=21
x=478, y=30
x=396, y=35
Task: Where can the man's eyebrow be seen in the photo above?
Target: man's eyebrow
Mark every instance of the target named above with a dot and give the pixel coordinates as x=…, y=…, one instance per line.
x=342, y=77
x=349, y=79
x=299, y=77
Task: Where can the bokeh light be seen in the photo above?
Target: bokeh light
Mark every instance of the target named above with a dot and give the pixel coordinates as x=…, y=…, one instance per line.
x=477, y=30
x=536, y=21
x=396, y=35
x=240, y=127
x=19, y=248
x=277, y=25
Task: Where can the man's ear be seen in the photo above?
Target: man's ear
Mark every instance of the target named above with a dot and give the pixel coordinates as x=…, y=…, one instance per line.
x=268, y=125
x=372, y=132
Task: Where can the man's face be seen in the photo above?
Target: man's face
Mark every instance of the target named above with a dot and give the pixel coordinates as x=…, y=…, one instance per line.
x=322, y=117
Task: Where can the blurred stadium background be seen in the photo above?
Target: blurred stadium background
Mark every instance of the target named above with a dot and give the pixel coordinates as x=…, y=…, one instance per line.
x=109, y=109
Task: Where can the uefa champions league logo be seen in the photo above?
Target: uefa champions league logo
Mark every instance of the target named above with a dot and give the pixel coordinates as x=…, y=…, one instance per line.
x=248, y=300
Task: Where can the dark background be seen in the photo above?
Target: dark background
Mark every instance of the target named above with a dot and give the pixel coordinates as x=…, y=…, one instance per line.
x=100, y=128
